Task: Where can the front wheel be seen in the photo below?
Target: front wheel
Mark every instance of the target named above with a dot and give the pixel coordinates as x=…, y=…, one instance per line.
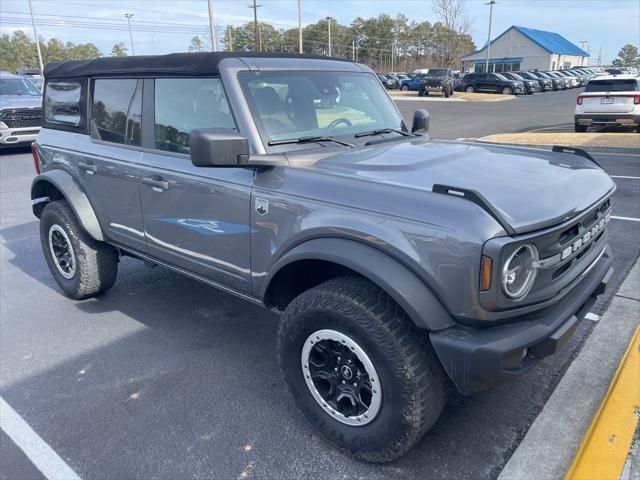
x=80, y=265
x=404, y=88
x=361, y=372
x=447, y=92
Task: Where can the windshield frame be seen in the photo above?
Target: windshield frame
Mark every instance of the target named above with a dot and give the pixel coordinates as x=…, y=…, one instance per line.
x=265, y=137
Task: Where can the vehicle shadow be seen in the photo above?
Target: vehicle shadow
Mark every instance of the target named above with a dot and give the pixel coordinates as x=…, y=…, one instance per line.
x=185, y=383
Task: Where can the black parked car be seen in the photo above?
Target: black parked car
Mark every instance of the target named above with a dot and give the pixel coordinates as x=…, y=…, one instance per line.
x=388, y=83
x=492, y=82
x=439, y=80
x=530, y=86
x=546, y=84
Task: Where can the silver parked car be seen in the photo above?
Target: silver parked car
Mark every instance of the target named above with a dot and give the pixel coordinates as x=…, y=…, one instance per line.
x=20, y=110
x=400, y=264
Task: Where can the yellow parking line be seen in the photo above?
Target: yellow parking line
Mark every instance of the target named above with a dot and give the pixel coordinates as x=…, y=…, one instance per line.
x=605, y=446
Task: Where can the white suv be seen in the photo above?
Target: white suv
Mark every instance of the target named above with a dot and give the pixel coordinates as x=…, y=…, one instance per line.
x=610, y=100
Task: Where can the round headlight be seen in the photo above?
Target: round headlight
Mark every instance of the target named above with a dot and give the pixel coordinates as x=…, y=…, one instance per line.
x=519, y=271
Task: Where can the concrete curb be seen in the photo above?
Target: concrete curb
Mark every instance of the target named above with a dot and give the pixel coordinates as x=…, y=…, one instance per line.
x=548, y=449
x=592, y=149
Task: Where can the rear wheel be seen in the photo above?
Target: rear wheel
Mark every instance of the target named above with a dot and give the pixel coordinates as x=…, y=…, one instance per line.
x=507, y=91
x=80, y=265
x=470, y=89
x=580, y=128
x=404, y=88
x=362, y=373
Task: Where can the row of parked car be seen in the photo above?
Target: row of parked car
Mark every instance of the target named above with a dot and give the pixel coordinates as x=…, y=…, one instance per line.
x=524, y=82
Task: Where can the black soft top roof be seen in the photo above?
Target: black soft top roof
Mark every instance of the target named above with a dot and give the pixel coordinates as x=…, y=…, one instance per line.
x=190, y=64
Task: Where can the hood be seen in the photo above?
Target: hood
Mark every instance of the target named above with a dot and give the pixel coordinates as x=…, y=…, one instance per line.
x=531, y=189
x=20, y=101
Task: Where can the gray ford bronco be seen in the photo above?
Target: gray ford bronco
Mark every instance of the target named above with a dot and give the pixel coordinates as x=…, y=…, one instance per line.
x=401, y=265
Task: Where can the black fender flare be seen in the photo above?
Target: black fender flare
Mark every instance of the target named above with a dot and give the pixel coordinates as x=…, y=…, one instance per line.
x=388, y=273
x=72, y=193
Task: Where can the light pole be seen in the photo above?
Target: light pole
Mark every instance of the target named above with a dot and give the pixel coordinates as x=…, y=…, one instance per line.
x=35, y=35
x=212, y=27
x=491, y=4
x=129, y=15
x=329, y=33
x=299, y=27
x=256, y=31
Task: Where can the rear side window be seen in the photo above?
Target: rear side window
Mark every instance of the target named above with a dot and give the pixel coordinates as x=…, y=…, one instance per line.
x=62, y=103
x=116, y=109
x=184, y=104
x=612, y=86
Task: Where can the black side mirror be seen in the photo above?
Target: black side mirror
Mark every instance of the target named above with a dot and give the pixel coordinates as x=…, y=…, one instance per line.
x=218, y=147
x=420, y=121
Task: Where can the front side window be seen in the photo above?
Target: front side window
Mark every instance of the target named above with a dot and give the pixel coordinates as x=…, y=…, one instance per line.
x=184, y=104
x=291, y=105
x=62, y=102
x=116, y=110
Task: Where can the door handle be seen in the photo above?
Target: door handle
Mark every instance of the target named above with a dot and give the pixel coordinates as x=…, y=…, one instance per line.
x=90, y=168
x=157, y=184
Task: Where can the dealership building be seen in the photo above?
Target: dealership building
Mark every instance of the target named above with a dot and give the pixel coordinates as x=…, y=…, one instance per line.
x=522, y=48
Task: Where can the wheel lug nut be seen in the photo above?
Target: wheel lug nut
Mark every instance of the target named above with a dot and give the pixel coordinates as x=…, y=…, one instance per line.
x=336, y=369
x=344, y=382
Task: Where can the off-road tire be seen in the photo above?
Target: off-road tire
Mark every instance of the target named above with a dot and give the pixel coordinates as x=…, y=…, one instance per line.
x=412, y=379
x=96, y=263
x=580, y=128
x=447, y=93
x=421, y=93
x=451, y=91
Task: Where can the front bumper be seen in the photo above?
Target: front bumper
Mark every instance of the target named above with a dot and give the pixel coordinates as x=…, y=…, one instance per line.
x=623, y=119
x=16, y=136
x=475, y=358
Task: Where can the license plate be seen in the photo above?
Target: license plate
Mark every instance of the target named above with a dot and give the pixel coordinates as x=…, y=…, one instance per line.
x=606, y=101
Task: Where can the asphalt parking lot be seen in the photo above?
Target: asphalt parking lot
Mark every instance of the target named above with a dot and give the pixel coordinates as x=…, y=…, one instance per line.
x=164, y=377
x=451, y=120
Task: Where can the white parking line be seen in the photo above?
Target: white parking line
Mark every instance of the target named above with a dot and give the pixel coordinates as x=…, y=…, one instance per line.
x=33, y=446
x=631, y=219
x=624, y=176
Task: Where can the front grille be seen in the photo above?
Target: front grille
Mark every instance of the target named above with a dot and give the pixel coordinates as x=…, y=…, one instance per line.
x=22, y=118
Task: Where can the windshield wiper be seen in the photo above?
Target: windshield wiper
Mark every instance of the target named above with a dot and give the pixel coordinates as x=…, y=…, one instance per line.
x=292, y=141
x=380, y=131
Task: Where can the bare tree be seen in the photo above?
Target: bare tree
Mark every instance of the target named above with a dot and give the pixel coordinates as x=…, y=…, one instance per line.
x=457, y=27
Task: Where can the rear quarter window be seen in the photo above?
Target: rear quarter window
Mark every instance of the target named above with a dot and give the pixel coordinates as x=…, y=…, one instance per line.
x=612, y=85
x=62, y=103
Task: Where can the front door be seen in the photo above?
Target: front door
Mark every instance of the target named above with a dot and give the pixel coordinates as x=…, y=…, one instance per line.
x=196, y=218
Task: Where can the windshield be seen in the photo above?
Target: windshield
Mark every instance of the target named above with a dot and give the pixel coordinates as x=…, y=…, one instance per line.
x=612, y=86
x=290, y=105
x=501, y=77
x=438, y=72
x=516, y=76
x=17, y=86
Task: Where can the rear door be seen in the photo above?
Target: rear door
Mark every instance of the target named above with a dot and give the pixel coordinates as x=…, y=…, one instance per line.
x=195, y=218
x=610, y=96
x=108, y=167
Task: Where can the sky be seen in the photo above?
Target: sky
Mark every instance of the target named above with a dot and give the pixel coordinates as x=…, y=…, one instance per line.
x=163, y=26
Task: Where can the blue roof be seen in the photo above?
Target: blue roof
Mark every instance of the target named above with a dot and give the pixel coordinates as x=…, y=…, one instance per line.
x=550, y=41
